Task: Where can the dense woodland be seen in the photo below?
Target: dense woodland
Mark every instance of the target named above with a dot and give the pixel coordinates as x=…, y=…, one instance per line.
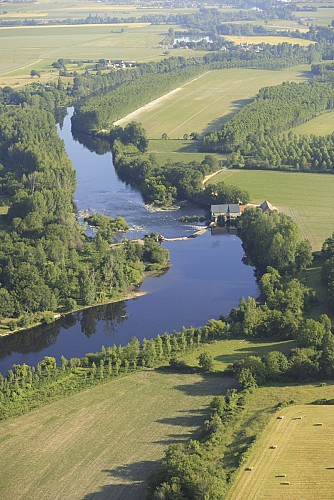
x=274, y=111
x=46, y=261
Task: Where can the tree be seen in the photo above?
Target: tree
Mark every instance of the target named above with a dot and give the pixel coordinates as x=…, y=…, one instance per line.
x=34, y=73
x=205, y=361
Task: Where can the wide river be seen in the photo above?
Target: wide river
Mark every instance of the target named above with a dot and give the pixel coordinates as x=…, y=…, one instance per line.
x=206, y=279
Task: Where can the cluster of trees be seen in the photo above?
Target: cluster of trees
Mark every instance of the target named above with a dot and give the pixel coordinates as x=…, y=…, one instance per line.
x=25, y=387
x=323, y=71
x=162, y=185
x=313, y=359
x=274, y=110
x=46, y=261
x=101, y=112
x=195, y=469
x=328, y=268
x=273, y=241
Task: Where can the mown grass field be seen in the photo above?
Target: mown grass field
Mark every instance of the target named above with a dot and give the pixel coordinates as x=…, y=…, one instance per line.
x=175, y=150
x=304, y=455
x=321, y=125
x=103, y=442
x=225, y=352
x=307, y=198
x=272, y=40
x=208, y=101
x=323, y=16
x=27, y=48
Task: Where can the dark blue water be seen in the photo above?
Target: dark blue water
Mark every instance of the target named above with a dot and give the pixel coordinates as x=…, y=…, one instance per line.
x=206, y=277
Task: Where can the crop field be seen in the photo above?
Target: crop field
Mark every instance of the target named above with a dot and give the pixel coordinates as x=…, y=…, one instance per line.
x=77, y=9
x=26, y=48
x=321, y=125
x=207, y=101
x=292, y=459
x=272, y=40
x=296, y=194
x=102, y=442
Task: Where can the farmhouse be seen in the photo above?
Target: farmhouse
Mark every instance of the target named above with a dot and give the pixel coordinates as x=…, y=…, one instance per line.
x=231, y=211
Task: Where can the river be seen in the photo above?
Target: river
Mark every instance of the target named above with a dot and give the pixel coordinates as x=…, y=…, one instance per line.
x=206, y=279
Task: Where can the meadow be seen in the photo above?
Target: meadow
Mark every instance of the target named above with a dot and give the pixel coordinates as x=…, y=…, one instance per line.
x=304, y=456
x=307, y=198
x=208, y=101
x=323, y=16
x=25, y=48
x=321, y=125
x=103, y=442
x=272, y=40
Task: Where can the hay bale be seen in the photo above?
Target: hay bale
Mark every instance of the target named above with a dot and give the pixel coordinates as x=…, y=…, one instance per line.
x=319, y=424
x=330, y=468
x=249, y=468
x=297, y=418
x=280, y=417
x=273, y=446
x=286, y=482
x=280, y=475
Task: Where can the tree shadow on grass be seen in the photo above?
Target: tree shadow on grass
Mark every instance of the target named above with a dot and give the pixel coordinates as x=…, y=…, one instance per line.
x=234, y=108
x=122, y=488
x=254, y=350
x=208, y=385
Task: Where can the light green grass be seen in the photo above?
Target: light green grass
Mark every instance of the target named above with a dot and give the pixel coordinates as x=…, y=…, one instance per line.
x=103, y=442
x=177, y=151
x=321, y=125
x=27, y=48
x=322, y=16
x=272, y=40
x=225, y=352
x=208, y=101
x=304, y=453
x=307, y=198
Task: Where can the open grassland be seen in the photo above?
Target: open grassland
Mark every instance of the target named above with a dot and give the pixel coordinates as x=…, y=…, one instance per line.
x=307, y=198
x=323, y=16
x=321, y=125
x=272, y=40
x=208, y=101
x=102, y=442
x=27, y=48
x=311, y=277
x=177, y=150
x=226, y=352
x=304, y=456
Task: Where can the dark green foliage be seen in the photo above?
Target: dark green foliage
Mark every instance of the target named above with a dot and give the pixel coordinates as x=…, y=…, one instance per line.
x=107, y=226
x=328, y=268
x=273, y=240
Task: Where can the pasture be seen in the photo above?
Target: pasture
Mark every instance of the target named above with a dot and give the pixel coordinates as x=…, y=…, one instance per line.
x=25, y=48
x=225, y=352
x=321, y=125
x=323, y=16
x=307, y=198
x=105, y=441
x=271, y=40
x=301, y=465
x=208, y=101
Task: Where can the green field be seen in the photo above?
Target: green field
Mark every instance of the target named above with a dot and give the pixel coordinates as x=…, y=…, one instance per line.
x=323, y=16
x=225, y=352
x=304, y=455
x=27, y=48
x=175, y=150
x=321, y=125
x=208, y=101
x=103, y=442
x=307, y=198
